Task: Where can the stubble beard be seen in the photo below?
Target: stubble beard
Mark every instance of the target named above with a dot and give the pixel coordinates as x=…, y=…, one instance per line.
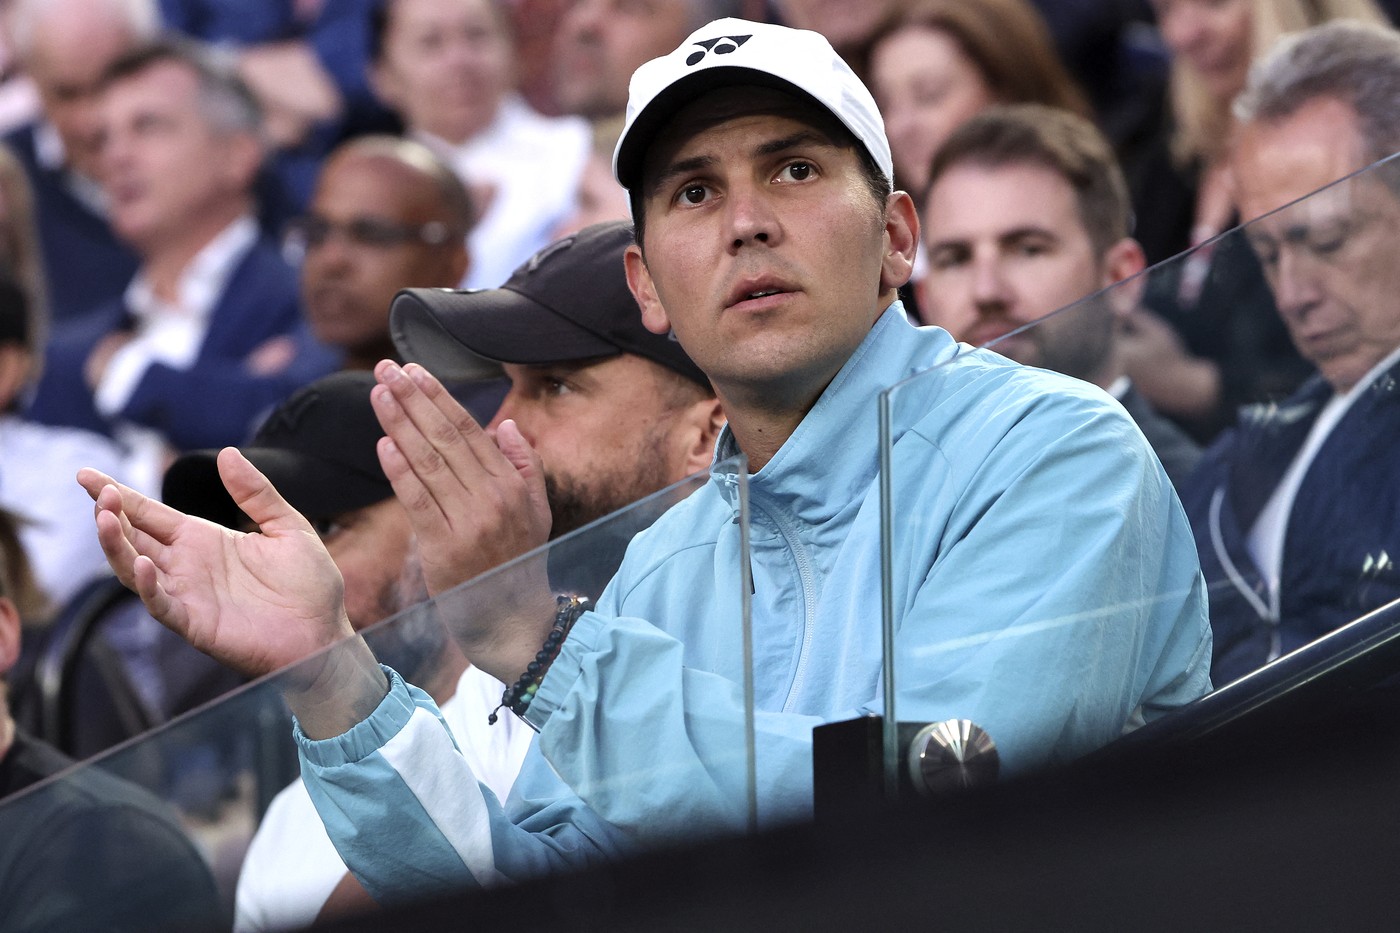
x=576, y=501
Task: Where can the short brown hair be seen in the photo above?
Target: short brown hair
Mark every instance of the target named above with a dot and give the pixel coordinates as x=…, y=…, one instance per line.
x=1062, y=142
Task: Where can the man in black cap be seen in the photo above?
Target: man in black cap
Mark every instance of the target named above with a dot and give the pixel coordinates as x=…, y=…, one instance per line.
x=614, y=411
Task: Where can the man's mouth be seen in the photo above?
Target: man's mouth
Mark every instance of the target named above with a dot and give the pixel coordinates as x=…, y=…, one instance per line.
x=756, y=294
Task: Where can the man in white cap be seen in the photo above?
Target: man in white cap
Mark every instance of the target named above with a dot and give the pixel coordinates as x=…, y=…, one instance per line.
x=1045, y=584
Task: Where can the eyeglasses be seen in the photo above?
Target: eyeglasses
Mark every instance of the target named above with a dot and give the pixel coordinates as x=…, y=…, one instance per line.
x=311, y=232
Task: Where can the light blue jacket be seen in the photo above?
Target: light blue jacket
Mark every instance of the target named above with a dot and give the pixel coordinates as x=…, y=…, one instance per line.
x=1045, y=582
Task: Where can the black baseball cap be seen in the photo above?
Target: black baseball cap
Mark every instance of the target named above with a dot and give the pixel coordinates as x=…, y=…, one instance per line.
x=570, y=301
x=318, y=447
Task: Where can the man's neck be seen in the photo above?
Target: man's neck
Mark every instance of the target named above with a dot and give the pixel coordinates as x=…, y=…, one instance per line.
x=762, y=420
x=367, y=356
x=165, y=261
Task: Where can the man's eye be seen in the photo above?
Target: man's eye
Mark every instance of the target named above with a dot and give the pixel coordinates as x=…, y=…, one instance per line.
x=797, y=171
x=327, y=528
x=945, y=259
x=1328, y=240
x=553, y=386
x=693, y=194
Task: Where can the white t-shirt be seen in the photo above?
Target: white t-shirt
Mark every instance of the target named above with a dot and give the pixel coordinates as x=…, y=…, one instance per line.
x=292, y=868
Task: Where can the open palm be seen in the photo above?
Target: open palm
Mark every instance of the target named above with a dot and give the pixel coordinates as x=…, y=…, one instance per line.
x=256, y=602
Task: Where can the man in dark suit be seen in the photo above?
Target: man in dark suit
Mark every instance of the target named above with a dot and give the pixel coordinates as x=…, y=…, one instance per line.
x=208, y=335
x=1296, y=510
x=1027, y=212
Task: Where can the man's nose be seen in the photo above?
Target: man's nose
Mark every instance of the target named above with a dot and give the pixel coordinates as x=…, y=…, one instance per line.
x=752, y=219
x=1295, y=282
x=990, y=289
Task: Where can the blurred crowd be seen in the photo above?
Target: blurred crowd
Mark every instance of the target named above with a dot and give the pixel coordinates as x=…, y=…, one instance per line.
x=206, y=205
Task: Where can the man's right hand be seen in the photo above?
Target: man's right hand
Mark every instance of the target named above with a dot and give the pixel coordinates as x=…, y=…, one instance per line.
x=256, y=602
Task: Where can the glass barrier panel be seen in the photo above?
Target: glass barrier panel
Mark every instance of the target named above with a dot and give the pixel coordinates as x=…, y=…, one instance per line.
x=1035, y=562
x=646, y=739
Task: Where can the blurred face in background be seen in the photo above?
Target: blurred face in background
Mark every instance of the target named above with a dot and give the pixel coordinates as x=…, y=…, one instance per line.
x=1330, y=259
x=601, y=42
x=1007, y=245
x=926, y=87
x=845, y=23
x=445, y=66
x=69, y=51
x=168, y=172
x=371, y=218
x=1212, y=37
x=370, y=547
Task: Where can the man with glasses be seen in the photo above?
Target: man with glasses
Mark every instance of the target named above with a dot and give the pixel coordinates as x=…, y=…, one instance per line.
x=1295, y=511
x=205, y=339
x=387, y=214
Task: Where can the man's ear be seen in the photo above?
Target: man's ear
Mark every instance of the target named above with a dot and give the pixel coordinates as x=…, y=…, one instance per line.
x=901, y=241
x=654, y=317
x=704, y=420
x=386, y=86
x=9, y=635
x=1123, y=260
x=243, y=155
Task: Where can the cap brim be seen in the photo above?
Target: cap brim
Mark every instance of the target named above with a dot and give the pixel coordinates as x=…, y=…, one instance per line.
x=315, y=487
x=462, y=335
x=661, y=108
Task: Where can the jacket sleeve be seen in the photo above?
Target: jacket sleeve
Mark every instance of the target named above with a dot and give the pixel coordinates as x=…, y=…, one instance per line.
x=410, y=819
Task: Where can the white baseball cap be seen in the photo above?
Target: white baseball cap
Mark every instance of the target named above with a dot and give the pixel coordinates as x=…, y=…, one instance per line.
x=730, y=52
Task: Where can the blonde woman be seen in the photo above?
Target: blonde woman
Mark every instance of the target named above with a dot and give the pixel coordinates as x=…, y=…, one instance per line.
x=1213, y=43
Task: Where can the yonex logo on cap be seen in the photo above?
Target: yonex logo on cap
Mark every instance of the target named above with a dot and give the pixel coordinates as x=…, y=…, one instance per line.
x=722, y=45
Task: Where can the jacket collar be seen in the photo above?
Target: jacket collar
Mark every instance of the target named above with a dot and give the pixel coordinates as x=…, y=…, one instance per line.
x=833, y=456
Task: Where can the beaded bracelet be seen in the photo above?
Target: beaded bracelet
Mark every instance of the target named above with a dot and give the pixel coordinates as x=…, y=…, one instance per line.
x=518, y=695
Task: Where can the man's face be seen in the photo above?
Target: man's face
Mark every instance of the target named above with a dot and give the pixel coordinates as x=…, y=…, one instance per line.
x=70, y=51
x=370, y=546
x=927, y=87
x=370, y=211
x=765, y=250
x=1330, y=259
x=164, y=168
x=445, y=65
x=601, y=42
x=604, y=429
x=1006, y=246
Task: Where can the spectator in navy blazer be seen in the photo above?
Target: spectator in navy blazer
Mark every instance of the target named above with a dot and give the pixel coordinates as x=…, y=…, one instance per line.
x=208, y=335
